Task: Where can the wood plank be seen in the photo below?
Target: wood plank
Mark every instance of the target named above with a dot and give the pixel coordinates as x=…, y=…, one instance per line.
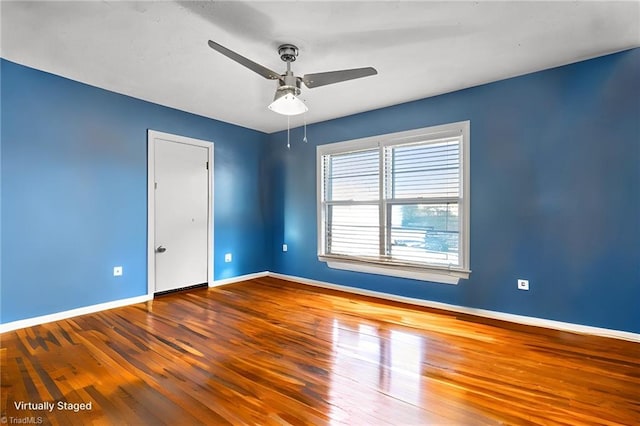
x=269, y=351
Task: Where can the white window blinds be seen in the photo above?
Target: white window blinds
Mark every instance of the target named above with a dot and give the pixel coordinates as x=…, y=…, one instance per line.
x=352, y=176
x=351, y=195
x=424, y=170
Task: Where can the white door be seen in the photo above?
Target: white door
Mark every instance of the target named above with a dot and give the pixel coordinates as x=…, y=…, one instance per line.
x=181, y=214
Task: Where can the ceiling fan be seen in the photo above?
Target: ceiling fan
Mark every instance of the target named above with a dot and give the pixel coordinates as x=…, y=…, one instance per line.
x=286, y=99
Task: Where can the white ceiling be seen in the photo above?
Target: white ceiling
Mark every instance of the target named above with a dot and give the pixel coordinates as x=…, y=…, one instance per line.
x=157, y=50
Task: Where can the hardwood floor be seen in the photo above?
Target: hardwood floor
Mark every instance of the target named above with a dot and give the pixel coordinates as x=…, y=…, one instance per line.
x=268, y=351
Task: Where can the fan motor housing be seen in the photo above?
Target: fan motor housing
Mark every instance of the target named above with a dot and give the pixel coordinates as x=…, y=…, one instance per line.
x=288, y=84
x=290, y=80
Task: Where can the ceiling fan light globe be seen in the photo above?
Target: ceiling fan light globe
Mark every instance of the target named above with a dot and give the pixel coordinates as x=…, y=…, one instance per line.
x=288, y=104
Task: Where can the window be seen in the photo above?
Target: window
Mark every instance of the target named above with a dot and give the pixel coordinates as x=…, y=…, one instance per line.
x=397, y=204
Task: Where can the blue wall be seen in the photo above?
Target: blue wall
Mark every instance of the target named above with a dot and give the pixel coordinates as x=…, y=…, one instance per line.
x=555, y=193
x=555, y=196
x=74, y=192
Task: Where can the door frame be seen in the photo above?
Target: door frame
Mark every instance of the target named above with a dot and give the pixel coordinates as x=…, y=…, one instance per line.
x=152, y=135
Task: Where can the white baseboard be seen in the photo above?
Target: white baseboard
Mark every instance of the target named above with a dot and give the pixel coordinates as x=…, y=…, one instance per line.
x=29, y=322
x=239, y=278
x=519, y=319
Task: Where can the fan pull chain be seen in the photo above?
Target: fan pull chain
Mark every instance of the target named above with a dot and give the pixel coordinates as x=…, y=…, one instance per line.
x=304, y=116
x=288, y=132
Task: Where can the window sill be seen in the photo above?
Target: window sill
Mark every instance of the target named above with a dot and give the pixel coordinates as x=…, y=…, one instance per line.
x=434, y=274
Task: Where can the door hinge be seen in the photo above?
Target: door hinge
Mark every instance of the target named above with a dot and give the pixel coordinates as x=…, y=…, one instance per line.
x=155, y=185
x=207, y=165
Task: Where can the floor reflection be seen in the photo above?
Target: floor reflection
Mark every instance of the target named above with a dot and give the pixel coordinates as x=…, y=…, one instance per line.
x=372, y=363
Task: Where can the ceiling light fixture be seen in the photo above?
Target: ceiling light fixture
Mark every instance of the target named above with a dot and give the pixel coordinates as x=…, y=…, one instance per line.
x=286, y=102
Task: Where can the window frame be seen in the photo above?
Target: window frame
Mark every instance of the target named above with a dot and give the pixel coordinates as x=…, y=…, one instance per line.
x=430, y=272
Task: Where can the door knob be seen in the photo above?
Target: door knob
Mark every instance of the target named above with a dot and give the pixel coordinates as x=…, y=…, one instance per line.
x=161, y=249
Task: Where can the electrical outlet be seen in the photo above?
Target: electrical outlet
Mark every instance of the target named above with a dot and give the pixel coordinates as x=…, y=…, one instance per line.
x=227, y=258
x=117, y=271
x=285, y=247
x=523, y=284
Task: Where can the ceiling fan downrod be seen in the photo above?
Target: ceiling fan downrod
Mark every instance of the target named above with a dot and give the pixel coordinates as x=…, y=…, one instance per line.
x=289, y=83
